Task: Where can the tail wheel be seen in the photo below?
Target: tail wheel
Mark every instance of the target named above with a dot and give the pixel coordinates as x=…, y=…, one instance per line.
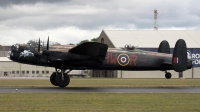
x=52, y=79
x=168, y=75
x=62, y=79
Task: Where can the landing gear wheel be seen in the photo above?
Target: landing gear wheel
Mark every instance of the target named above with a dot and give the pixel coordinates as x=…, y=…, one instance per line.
x=52, y=79
x=62, y=81
x=168, y=75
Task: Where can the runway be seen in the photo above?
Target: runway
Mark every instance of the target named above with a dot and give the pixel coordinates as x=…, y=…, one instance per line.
x=100, y=90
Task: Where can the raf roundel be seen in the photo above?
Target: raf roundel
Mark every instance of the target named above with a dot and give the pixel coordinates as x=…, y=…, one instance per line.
x=123, y=59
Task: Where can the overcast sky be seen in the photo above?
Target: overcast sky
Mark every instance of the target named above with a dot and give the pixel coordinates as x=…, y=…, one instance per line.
x=70, y=21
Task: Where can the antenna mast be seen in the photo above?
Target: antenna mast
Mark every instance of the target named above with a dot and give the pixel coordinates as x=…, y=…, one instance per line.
x=155, y=19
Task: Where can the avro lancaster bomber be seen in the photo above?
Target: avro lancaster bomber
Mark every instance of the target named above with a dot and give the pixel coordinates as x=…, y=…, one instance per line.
x=97, y=56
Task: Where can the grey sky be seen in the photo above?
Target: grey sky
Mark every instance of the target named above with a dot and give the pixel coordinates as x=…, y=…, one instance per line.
x=70, y=21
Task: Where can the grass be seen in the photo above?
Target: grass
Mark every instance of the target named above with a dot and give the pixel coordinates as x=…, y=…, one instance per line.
x=105, y=82
x=62, y=102
x=90, y=102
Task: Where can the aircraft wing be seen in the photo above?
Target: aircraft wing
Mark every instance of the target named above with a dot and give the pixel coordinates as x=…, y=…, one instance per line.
x=93, y=52
x=91, y=49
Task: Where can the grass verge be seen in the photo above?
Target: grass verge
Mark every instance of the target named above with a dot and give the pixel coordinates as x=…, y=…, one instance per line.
x=62, y=102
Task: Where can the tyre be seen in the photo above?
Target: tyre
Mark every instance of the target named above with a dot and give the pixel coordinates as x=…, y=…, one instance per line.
x=52, y=79
x=62, y=82
x=168, y=75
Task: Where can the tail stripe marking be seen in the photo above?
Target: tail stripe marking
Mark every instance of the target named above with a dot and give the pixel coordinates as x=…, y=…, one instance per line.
x=176, y=60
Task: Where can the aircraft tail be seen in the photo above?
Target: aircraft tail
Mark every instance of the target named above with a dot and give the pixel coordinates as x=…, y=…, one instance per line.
x=164, y=47
x=179, y=59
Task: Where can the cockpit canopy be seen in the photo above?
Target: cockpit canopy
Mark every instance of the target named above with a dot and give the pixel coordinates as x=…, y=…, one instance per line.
x=129, y=47
x=19, y=47
x=15, y=47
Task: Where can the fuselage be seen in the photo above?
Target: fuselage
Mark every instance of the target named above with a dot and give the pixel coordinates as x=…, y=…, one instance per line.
x=114, y=60
x=137, y=60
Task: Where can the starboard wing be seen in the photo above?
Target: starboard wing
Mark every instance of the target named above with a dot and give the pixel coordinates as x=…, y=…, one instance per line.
x=93, y=49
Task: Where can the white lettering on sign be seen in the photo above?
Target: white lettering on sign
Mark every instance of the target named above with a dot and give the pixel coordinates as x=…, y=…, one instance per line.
x=195, y=57
x=196, y=61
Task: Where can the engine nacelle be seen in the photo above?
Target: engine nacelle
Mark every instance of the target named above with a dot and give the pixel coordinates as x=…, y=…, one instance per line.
x=46, y=52
x=37, y=54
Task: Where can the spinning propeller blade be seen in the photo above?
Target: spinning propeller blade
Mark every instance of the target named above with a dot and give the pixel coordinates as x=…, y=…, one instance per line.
x=48, y=43
x=39, y=52
x=47, y=50
x=39, y=46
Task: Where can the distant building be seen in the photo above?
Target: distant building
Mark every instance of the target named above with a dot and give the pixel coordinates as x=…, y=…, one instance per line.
x=4, y=50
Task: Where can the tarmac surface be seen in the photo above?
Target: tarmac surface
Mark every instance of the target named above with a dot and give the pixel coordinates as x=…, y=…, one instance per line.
x=92, y=89
x=100, y=90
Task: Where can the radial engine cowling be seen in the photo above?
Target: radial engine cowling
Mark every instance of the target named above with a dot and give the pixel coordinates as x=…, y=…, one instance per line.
x=37, y=54
x=46, y=52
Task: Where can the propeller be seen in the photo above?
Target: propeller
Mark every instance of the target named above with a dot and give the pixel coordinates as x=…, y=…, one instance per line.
x=37, y=54
x=39, y=46
x=48, y=43
x=47, y=52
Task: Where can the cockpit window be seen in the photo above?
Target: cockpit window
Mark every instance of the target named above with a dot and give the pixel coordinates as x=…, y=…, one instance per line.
x=15, y=47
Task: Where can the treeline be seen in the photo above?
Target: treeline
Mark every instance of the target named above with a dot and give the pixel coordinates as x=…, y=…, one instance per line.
x=94, y=40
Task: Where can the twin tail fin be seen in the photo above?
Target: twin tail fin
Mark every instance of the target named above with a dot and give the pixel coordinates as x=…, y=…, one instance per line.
x=179, y=58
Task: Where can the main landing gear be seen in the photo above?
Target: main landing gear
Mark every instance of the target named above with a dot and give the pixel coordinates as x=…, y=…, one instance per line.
x=168, y=75
x=60, y=79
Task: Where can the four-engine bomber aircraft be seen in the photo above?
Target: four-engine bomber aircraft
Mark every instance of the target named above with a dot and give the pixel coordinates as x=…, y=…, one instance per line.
x=94, y=55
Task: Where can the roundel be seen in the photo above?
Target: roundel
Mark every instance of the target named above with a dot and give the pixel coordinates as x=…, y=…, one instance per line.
x=123, y=59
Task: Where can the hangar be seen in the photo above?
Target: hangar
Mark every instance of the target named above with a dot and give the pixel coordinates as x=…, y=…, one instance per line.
x=14, y=69
x=149, y=40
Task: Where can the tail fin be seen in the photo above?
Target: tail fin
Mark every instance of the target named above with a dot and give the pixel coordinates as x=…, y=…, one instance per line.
x=164, y=47
x=179, y=59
